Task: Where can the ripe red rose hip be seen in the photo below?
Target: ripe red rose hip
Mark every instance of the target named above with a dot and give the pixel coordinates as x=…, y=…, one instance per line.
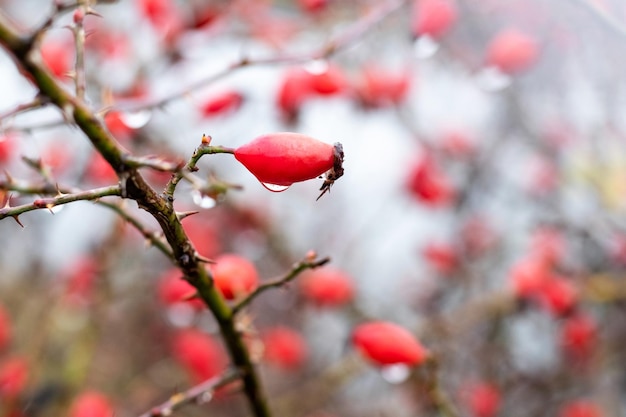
x=283, y=158
x=91, y=404
x=512, y=51
x=284, y=348
x=386, y=343
x=234, y=276
x=327, y=287
x=433, y=17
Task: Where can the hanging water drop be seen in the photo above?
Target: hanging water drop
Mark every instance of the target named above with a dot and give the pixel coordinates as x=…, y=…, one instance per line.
x=205, y=397
x=136, y=119
x=317, y=66
x=395, y=374
x=202, y=200
x=425, y=47
x=275, y=188
x=492, y=79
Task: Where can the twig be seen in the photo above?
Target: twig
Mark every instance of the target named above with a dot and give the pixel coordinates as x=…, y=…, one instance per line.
x=154, y=162
x=306, y=263
x=194, y=394
x=204, y=149
x=48, y=203
x=79, y=40
x=351, y=35
x=38, y=102
x=435, y=392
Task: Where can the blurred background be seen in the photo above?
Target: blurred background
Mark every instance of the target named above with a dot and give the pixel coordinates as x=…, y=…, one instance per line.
x=482, y=205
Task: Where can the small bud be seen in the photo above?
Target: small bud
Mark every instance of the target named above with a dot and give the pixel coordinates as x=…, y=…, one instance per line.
x=206, y=140
x=311, y=255
x=79, y=15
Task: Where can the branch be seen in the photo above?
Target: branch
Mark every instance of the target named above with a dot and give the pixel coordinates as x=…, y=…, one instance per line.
x=38, y=102
x=307, y=263
x=194, y=394
x=48, y=203
x=191, y=166
x=351, y=35
x=79, y=40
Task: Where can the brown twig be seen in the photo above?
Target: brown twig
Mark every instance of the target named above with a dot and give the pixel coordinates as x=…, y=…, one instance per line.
x=193, y=394
x=297, y=269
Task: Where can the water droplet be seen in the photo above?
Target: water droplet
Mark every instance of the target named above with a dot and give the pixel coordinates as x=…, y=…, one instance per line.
x=275, y=188
x=136, y=119
x=205, y=397
x=180, y=315
x=317, y=66
x=492, y=79
x=202, y=200
x=425, y=47
x=395, y=374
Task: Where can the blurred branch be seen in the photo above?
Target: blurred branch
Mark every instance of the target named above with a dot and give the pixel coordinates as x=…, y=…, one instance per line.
x=48, y=203
x=154, y=162
x=348, y=37
x=435, y=393
x=307, y=263
x=38, y=102
x=79, y=40
x=194, y=394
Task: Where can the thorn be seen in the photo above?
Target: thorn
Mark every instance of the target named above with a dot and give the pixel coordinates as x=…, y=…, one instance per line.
x=204, y=259
x=184, y=214
x=7, y=204
x=91, y=11
x=49, y=207
x=17, y=219
x=191, y=296
x=8, y=176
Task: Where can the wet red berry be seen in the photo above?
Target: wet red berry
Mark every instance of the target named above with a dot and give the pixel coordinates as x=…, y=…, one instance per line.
x=433, y=17
x=91, y=404
x=284, y=348
x=512, y=51
x=327, y=287
x=200, y=355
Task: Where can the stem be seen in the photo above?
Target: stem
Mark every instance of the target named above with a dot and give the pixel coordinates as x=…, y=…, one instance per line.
x=279, y=282
x=48, y=203
x=79, y=41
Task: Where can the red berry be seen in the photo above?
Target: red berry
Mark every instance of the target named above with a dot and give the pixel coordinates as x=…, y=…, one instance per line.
x=558, y=295
x=386, y=343
x=91, y=404
x=284, y=348
x=380, y=87
x=5, y=328
x=527, y=277
x=293, y=92
x=115, y=123
x=234, y=276
x=327, y=82
x=80, y=280
x=512, y=51
x=99, y=171
x=222, y=103
x=483, y=399
x=57, y=56
x=443, y=257
x=284, y=158
x=579, y=336
x=433, y=17
x=174, y=289
x=429, y=184
x=14, y=373
x=580, y=408
x=313, y=6
x=327, y=287
x=199, y=354
x=7, y=148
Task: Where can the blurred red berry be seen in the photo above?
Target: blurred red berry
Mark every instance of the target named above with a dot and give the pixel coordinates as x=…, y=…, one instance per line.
x=99, y=171
x=58, y=56
x=313, y=6
x=174, y=289
x=327, y=286
x=234, y=276
x=579, y=336
x=386, y=343
x=512, y=51
x=203, y=236
x=329, y=81
x=379, y=87
x=5, y=328
x=115, y=123
x=428, y=183
x=221, y=103
x=80, y=279
x=7, y=147
x=91, y=404
x=558, y=295
x=483, y=399
x=457, y=144
x=200, y=355
x=580, y=408
x=284, y=158
x=293, y=91
x=14, y=372
x=528, y=276
x=284, y=348
x=163, y=15
x=433, y=17
x=442, y=257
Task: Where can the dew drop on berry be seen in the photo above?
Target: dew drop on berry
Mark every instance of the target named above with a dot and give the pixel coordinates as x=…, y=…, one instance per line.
x=136, y=119
x=202, y=200
x=275, y=188
x=492, y=79
x=205, y=397
x=395, y=374
x=425, y=47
